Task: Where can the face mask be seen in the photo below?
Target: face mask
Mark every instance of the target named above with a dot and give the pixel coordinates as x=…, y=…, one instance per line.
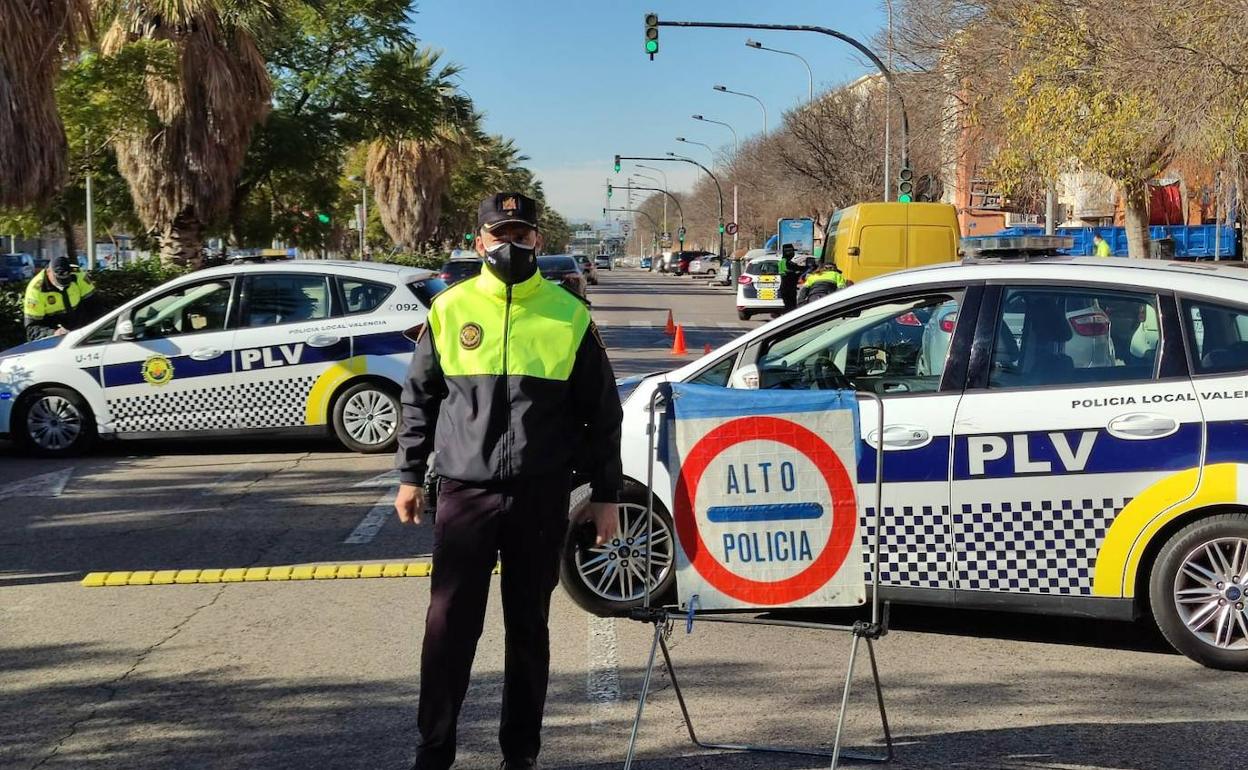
x=512, y=263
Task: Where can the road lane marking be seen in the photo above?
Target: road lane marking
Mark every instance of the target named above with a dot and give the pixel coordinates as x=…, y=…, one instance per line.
x=373, y=521
x=44, y=485
x=602, y=683
x=387, y=479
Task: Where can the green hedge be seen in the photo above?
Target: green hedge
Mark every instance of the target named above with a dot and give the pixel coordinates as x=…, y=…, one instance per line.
x=114, y=287
x=427, y=260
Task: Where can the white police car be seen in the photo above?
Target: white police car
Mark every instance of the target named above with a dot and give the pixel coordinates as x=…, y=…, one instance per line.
x=242, y=349
x=1037, y=462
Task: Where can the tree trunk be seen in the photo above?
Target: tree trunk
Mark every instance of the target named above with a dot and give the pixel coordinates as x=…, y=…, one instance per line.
x=182, y=242
x=67, y=231
x=1135, y=205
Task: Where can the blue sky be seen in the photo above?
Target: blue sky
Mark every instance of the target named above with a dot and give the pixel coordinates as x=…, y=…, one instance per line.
x=569, y=82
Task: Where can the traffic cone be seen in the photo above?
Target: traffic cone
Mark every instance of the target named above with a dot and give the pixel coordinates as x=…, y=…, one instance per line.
x=678, y=343
x=706, y=348
x=670, y=330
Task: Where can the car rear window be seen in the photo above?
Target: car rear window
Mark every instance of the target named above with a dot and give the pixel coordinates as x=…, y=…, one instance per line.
x=556, y=263
x=763, y=267
x=427, y=289
x=459, y=269
x=363, y=296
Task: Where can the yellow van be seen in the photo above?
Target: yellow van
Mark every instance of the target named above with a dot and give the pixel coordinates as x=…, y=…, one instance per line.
x=872, y=239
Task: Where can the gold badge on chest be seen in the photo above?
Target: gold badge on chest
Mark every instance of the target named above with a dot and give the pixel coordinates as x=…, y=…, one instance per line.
x=470, y=336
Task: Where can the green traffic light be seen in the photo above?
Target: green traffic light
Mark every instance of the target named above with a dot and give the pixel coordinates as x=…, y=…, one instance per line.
x=468, y=237
x=322, y=218
x=610, y=190
x=904, y=198
x=721, y=228
x=652, y=46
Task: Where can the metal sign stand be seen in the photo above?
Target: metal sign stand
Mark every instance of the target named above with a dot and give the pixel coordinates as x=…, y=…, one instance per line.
x=868, y=631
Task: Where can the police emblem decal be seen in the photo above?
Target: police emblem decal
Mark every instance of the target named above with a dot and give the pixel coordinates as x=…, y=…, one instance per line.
x=157, y=370
x=470, y=336
x=509, y=205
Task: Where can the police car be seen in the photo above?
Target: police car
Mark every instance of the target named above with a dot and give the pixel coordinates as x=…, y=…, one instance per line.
x=241, y=349
x=1062, y=436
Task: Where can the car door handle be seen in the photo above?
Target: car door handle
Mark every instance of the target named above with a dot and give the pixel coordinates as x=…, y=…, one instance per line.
x=205, y=354
x=1142, y=425
x=901, y=437
x=323, y=340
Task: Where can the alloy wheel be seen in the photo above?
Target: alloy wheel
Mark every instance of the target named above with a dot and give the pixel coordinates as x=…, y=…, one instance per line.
x=370, y=417
x=53, y=423
x=1211, y=593
x=616, y=570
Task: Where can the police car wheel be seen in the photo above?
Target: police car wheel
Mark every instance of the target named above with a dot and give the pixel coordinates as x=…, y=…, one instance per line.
x=607, y=580
x=1198, y=591
x=54, y=422
x=366, y=418
x=744, y=315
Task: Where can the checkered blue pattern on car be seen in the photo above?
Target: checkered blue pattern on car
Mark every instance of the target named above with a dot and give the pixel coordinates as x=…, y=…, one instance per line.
x=1049, y=546
x=915, y=546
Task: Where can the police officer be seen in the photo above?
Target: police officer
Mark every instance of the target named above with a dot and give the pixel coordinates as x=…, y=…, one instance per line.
x=790, y=273
x=511, y=385
x=820, y=283
x=1100, y=246
x=58, y=300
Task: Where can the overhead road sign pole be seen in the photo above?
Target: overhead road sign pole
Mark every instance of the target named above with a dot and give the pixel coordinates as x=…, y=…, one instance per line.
x=718, y=190
x=662, y=617
x=867, y=52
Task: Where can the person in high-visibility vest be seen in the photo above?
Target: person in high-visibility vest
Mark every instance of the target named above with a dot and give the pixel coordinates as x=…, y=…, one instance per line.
x=1100, y=246
x=821, y=282
x=59, y=300
x=511, y=385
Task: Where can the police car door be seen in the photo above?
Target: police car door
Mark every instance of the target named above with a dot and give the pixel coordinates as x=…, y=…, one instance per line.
x=283, y=345
x=174, y=372
x=909, y=349
x=1063, y=423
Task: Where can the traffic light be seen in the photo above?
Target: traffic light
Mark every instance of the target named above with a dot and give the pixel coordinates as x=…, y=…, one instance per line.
x=610, y=190
x=468, y=237
x=322, y=217
x=652, y=34
x=617, y=164
x=905, y=185
x=680, y=234
x=721, y=227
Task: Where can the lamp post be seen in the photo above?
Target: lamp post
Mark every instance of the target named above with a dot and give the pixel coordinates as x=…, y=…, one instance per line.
x=663, y=174
x=725, y=90
x=736, y=148
x=810, y=75
x=363, y=221
x=708, y=148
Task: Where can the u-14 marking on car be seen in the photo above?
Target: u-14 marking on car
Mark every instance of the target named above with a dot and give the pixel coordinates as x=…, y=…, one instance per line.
x=270, y=356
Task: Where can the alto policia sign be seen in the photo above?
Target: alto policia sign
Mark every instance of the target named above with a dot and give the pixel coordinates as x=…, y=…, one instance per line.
x=765, y=503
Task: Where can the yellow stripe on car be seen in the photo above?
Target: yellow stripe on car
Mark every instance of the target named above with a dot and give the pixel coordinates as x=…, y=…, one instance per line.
x=317, y=409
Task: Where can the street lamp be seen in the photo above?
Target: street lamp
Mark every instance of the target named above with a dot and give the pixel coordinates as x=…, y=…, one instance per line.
x=700, y=144
x=725, y=90
x=662, y=173
x=363, y=215
x=719, y=191
x=735, y=216
x=810, y=75
x=736, y=145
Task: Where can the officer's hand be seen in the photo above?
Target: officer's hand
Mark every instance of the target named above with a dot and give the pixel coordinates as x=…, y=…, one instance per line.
x=60, y=330
x=606, y=518
x=410, y=503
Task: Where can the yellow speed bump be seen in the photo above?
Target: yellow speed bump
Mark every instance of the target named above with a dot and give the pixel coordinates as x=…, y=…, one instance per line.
x=257, y=574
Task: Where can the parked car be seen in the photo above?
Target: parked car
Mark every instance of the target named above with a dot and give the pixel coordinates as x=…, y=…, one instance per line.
x=646, y=263
x=603, y=261
x=458, y=268
x=1024, y=469
x=705, y=266
x=314, y=346
x=758, y=288
x=682, y=259
x=16, y=268
x=588, y=269
x=562, y=268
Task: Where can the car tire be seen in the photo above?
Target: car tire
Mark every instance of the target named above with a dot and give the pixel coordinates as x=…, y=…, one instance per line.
x=1204, y=626
x=54, y=422
x=367, y=416
x=744, y=315
x=583, y=562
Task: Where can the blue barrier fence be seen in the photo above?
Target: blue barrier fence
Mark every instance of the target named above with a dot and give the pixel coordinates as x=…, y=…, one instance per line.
x=1190, y=241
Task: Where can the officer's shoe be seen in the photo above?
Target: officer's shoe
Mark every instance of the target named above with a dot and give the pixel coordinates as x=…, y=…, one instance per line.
x=518, y=764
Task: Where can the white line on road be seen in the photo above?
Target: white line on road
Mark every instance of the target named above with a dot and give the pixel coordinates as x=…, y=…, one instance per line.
x=372, y=522
x=44, y=485
x=602, y=684
x=387, y=479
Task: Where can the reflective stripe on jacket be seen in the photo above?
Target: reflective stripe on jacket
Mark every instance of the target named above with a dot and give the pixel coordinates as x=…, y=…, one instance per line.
x=509, y=382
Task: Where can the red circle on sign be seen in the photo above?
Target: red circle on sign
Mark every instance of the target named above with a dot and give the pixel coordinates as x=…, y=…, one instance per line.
x=844, y=510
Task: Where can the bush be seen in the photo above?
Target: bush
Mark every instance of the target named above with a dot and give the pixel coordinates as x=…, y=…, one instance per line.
x=428, y=260
x=114, y=288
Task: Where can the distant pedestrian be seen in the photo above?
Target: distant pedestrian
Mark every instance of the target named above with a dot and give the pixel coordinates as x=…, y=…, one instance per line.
x=511, y=385
x=1100, y=246
x=59, y=300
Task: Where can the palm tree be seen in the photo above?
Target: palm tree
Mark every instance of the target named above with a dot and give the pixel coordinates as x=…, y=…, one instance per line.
x=410, y=175
x=35, y=37
x=182, y=170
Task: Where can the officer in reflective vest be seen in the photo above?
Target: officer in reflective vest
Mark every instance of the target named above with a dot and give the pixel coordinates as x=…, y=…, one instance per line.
x=511, y=385
x=58, y=300
x=1100, y=246
x=820, y=282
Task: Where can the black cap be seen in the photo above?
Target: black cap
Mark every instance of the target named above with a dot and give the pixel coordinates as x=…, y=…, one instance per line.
x=62, y=267
x=507, y=208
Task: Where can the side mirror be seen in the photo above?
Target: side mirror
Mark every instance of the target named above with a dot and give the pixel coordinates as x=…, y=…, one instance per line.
x=745, y=378
x=125, y=330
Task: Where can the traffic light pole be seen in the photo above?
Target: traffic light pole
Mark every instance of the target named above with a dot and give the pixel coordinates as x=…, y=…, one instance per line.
x=679, y=210
x=888, y=76
x=718, y=190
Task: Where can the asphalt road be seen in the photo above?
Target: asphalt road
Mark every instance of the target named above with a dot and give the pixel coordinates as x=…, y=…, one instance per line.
x=323, y=673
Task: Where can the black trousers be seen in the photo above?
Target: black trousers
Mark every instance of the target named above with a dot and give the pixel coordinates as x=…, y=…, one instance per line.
x=788, y=290
x=523, y=523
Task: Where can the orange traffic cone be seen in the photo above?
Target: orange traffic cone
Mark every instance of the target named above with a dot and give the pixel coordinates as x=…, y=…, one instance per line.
x=670, y=330
x=678, y=344
x=706, y=348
